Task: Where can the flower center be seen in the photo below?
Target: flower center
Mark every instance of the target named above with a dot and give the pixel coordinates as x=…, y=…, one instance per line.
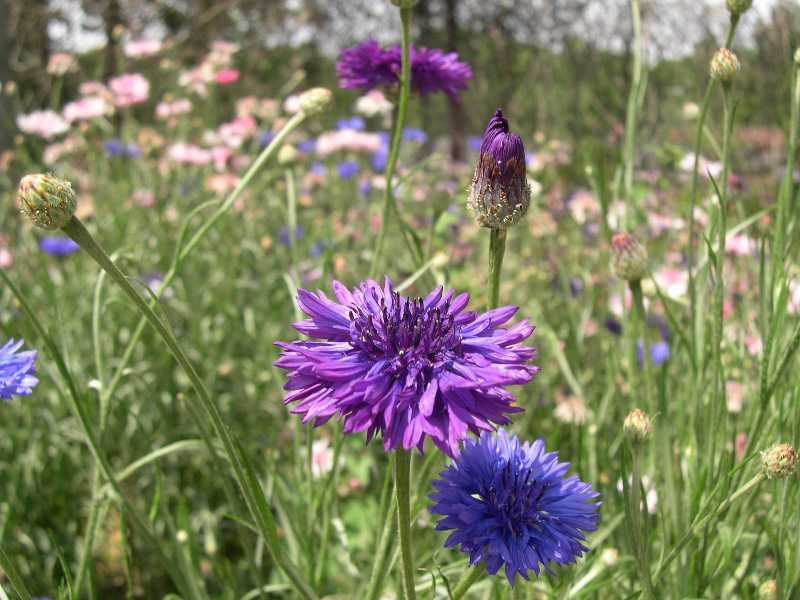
x=513, y=498
x=411, y=337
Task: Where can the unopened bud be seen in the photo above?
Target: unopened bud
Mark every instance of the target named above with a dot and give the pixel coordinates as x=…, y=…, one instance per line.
x=724, y=65
x=738, y=7
x=315, y=100
x=629, y=258
x=287, y=154
x=796, y=57
x=779, y=461
x=638, y=426
x=48, y=201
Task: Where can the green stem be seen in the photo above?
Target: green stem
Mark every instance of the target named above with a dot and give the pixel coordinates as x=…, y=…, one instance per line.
x=378, y=574
x=397, y=136
x=634, y=101
x=402, y=474
x=647, y=367
x=249, y=485
x=474, y=575
x=497, y=249
x=639, y=515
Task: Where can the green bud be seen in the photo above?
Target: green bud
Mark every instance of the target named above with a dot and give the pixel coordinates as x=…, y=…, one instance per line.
x=315, y=100
x=48, y=201
x=638, y=426
x=779, y=461
x=287, y=154
x=629, y=259
x=724, y=65
x=738, y=7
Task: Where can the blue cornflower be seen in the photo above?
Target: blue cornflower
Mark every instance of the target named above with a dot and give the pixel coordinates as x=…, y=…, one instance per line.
x=510, y=505
x=119, y=148
x=318, y=169
x=58, y=245
x=318, y=249
x=17, y=370
x=283, y=235
x=411, y=134
x=407, y=368
x=265, y=138
x=307, y=146
x=474, y=142
x=356, y=123
x=659, y=352
x=348, y=169
x=365, y=187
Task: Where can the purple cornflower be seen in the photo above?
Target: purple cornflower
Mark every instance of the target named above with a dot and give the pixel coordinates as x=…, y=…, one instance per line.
x=510, y=506
x=348, y=169
x=407, y=368
x=368, y=66
x=265, y=138
x=307, y=146
x=499, y=195
x=318, y=169
x=58, y=245
x=411, y=134
x=355, y=123
x=17, y=370
x=286, y=239
x=659, y=352
x=118, y=148
x=381, y=157
x=365, y=187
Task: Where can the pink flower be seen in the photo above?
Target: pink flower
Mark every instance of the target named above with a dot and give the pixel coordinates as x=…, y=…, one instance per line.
x=673, y=282
x=87, y=108
x=44, y=123
x=321, y=458
x=753, y=344
x=141, y=48
x=348, y=139
x=740, y=245
x=222, y=183
x=144, y=198
x=221, y=155
x=227, y=76
x=734, y=392
x=61, y=63
x=166, y=110
x=188, y=154
x=234, y=133
x=129, y=89
x=92, y=88
x=373, y=103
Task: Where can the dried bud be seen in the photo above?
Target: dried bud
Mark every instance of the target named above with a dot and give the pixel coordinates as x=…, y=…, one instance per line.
x=287, y=154
x=629, y=259
x=768, y=590
x=738, y=7
x=500, y=194
x=49, y=202
x=638, y=426
x=724, y=65
x=779, y=461
x=315, y=100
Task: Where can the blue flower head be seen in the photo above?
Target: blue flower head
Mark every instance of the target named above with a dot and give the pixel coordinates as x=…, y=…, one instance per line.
x=57, y=245
x=348, y=169
x=510, y=505
x=411, y=134
x=17, y=370
x=356, y=123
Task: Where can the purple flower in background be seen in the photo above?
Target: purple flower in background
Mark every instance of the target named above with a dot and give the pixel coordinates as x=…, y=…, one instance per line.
x=410, y=134
x=17, y=370
x=510, y=505
x=499, y=195
x=381, y=158
x=614, y=326
x=117, y=148
x=348, y=169
x=58, y=245
x=356, y=123
x=265, y=138
x=659, y=352
x=318, y=249
x=285, y=239
x=474, y=142
x=368, y=66
x=307, y=146
x=407, y=368
x=365, y=187
x=318, y=169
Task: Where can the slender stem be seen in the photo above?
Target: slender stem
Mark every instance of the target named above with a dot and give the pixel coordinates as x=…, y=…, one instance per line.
x=639, y=515
x=473, y=576
x=647, y=367
x=497, y=249
x=397, y=136
x=402, y=474
x=634, y=100
x=249, y=485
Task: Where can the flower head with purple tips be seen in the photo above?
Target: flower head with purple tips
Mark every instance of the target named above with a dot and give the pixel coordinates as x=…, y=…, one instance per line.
x=407, y=368
x=17, y=370
x=510, y=505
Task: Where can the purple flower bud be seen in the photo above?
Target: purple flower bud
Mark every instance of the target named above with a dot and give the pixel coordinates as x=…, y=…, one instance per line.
x=499, y=195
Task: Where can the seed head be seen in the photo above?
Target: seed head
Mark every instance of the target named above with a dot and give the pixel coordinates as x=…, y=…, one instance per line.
x=629, y=257
x=724, y=65
x=638, y=426
x=315, y=100
x=48, y=201
x=739, y=7
x=779, y=461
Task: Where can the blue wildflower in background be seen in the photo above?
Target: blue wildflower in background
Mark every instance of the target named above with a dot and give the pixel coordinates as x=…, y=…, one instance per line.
x=348, y=169
x=356, y=123
x=318, y=249
x=509, y=505
x=365, y=187
x=283, y=235
x=117, y=148
x=407, y=368
x=318, y=168
x=474, y=142
x=58, y=245
x=411, y=134
x=381, y=157
x=265, y=138
x=659, y=352
x=17, y=370
x=307, y=146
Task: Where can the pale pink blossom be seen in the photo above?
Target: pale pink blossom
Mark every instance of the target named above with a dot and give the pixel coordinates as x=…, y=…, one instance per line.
x=292, y=104
x=144, y=198
x=87, y=108
x=753, y=344
x=197, y=79
x=740, y=245
x=43, y=123
x=93, y=88
x=6, y=258
x=673, y=282
x=347, y=139
x=222, y=183
x=129, y=89
x=705, y=167
x=220, y=155
x=583, y=206
x=71, y=144
x=188, y=154
x=166, y=110
x=373, y=103
x=234, y=133
x=734, y=392
x=794, y=296
x=61, y=63
x=227, y=76
x=142, y=47
x=660, y=223
x=321, y=458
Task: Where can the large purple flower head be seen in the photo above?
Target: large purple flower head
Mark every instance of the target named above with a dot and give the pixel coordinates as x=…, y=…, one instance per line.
x=368, y=66
x=510, y=505
x=17, y=370
x=407, y=368
x=499, y=195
